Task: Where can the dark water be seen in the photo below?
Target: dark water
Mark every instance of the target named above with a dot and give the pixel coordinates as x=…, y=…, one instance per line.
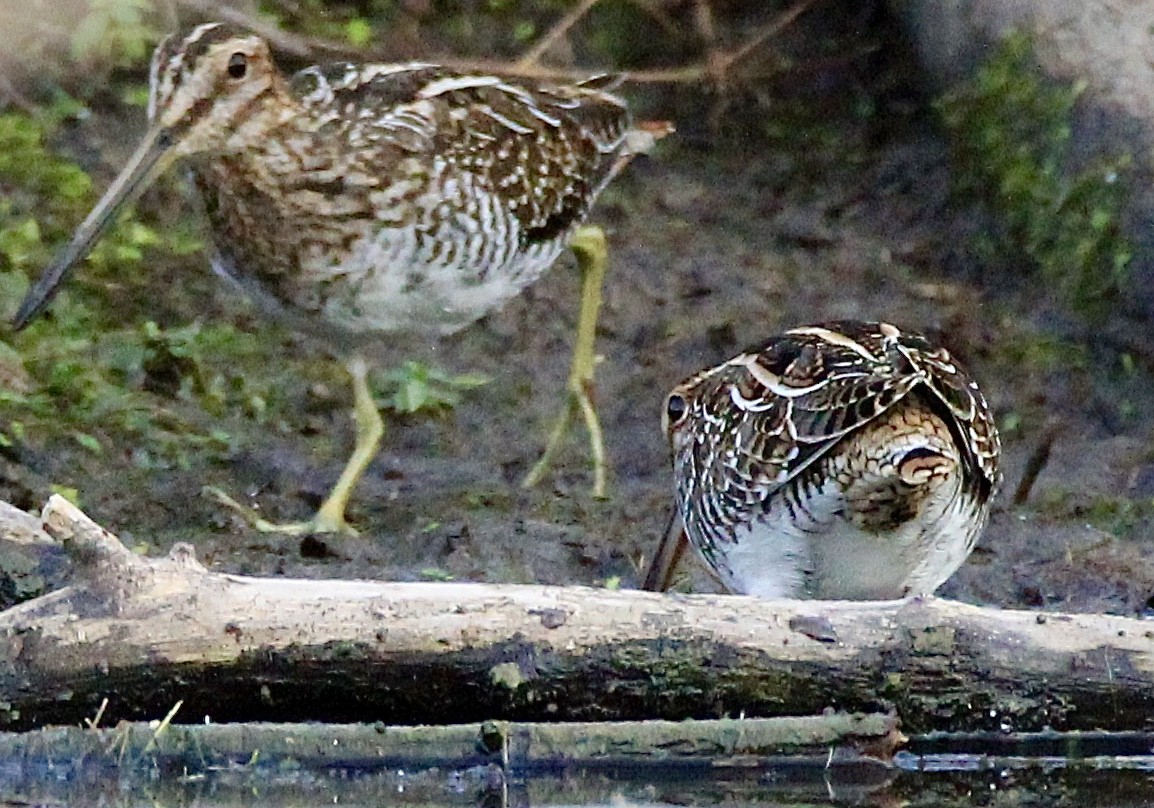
x=937, y=780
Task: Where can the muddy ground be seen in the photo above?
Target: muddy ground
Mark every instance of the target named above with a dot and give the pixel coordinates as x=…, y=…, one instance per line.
x=830, y=198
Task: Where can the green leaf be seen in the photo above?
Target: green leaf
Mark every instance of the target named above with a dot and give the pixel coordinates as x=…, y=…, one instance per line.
x=88, y=442
x=69, y=493
x=435, y=574
x=359, y=32
x=420, y=387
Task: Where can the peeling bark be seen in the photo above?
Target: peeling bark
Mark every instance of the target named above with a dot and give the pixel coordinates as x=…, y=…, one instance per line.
x=146, y=633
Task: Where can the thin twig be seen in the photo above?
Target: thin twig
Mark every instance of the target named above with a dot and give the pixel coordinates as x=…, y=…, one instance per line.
x=162, y=726
x=703, y=20
x=659, y=15
x=707, y=31
x=1036, y=462
x=93, y=723
x=689, y=74
x=534, y=54
x=527, y=67
x=783, y=21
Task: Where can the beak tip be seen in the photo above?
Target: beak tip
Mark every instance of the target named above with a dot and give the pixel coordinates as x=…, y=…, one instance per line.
x=31, y=307
x=24, y=315
x=133, y=179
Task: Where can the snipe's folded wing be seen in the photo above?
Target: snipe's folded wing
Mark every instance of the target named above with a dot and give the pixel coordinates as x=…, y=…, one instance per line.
x=766, y=414
x=972, y=422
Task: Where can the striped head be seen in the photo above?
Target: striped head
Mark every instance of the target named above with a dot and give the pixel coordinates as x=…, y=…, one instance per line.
x=210, y=92
x=204, y=84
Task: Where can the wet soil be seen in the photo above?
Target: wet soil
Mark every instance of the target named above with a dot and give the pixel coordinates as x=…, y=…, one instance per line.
x=832, y=203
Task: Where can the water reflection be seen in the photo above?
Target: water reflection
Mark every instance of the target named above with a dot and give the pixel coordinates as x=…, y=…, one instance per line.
x=987, y=782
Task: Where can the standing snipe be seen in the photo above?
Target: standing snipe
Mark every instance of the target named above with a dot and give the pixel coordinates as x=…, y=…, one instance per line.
x=846, y=460
x=357, y=200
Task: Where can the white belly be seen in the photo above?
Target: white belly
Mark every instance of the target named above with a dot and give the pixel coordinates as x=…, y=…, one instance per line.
x=821, y=554
x=433, y=272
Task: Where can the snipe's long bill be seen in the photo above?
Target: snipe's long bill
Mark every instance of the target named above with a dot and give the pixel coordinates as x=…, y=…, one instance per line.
x=146, y=164
x=356, y=200
x=846, y=460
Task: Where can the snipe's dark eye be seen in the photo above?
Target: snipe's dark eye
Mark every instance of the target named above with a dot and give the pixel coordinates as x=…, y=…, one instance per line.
x=676, y=409
x=237, y=65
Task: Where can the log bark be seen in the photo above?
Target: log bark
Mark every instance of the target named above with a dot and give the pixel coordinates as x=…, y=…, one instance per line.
x=146, y=633
x=649, y=763
x=860, y=741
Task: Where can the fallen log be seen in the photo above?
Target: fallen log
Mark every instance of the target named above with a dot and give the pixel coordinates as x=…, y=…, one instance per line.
x=146, y=633
x=860, y=741
x=636, y=763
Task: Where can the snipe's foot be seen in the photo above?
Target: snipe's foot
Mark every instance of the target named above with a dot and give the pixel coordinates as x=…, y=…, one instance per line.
x=330, y=517
x=588, y=245
x=320, y=523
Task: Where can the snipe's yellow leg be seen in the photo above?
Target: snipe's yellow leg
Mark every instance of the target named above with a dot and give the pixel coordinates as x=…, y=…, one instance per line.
x=330, y=518
x=588, y=245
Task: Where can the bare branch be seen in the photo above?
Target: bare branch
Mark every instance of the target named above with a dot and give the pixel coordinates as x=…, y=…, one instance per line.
x=783, y=21
x=534, y=54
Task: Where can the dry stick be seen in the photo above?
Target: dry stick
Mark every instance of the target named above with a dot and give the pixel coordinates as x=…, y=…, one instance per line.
x=306, y=48
x=659, y=15
x=783, y=21
x=715, y=70
x=163, y=726
x=146, y=631
x=703, y=20
x=678, y=75
x=93, y=723
x=534, y=54
x=858, y=739
x=720, y=65
x=1036, y=462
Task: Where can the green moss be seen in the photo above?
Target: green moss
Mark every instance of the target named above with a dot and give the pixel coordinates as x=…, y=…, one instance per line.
x=1010, y=134
x=110, y=388
x=84, y=375
x=42, y=197
x=90, y=376
x=507, y=675
x=115, y=32
x=1040, y=352
x=1121, y=517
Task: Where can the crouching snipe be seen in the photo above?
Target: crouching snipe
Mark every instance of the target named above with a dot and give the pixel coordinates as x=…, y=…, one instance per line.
x=847, y=460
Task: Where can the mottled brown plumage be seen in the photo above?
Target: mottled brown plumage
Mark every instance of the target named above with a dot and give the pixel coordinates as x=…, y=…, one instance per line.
x=378, y=198
x=353, y=201
x=844, y=460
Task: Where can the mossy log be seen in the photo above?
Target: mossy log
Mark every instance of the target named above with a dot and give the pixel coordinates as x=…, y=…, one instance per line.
x=490, y=764
x=147, y=633
x=827, y=741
